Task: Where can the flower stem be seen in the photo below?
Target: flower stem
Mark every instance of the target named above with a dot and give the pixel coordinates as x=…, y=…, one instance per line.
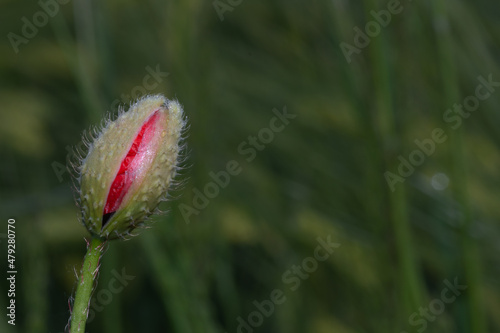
x=88, y=276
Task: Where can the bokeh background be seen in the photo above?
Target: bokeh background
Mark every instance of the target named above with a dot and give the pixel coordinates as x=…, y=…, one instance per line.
x=321, y=176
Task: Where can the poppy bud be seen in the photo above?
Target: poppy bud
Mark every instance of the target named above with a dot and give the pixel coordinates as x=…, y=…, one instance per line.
x=129, y=167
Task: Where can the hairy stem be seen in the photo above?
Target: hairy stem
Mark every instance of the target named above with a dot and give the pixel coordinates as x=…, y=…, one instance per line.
x=88, y=276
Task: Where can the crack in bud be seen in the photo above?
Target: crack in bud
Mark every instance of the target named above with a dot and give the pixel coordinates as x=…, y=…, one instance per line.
x=132, y=167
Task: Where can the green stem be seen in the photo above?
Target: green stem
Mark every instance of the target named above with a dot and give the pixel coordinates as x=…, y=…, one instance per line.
x=88, y=276
x=471, y=257
x=410, y=280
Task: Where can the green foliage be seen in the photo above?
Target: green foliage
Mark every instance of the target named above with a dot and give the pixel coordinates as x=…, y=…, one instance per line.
x=322, y=174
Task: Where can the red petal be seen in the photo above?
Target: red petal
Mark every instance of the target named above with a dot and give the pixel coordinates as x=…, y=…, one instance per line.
x=130, y=165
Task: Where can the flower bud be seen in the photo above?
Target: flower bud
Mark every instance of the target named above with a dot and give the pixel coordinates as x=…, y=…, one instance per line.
x=130, y=166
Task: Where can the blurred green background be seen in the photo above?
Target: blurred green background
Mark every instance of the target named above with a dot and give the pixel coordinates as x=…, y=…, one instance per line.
x=321, y=176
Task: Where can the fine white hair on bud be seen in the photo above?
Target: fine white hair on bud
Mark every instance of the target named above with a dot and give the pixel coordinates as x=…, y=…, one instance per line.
x=130, y=166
